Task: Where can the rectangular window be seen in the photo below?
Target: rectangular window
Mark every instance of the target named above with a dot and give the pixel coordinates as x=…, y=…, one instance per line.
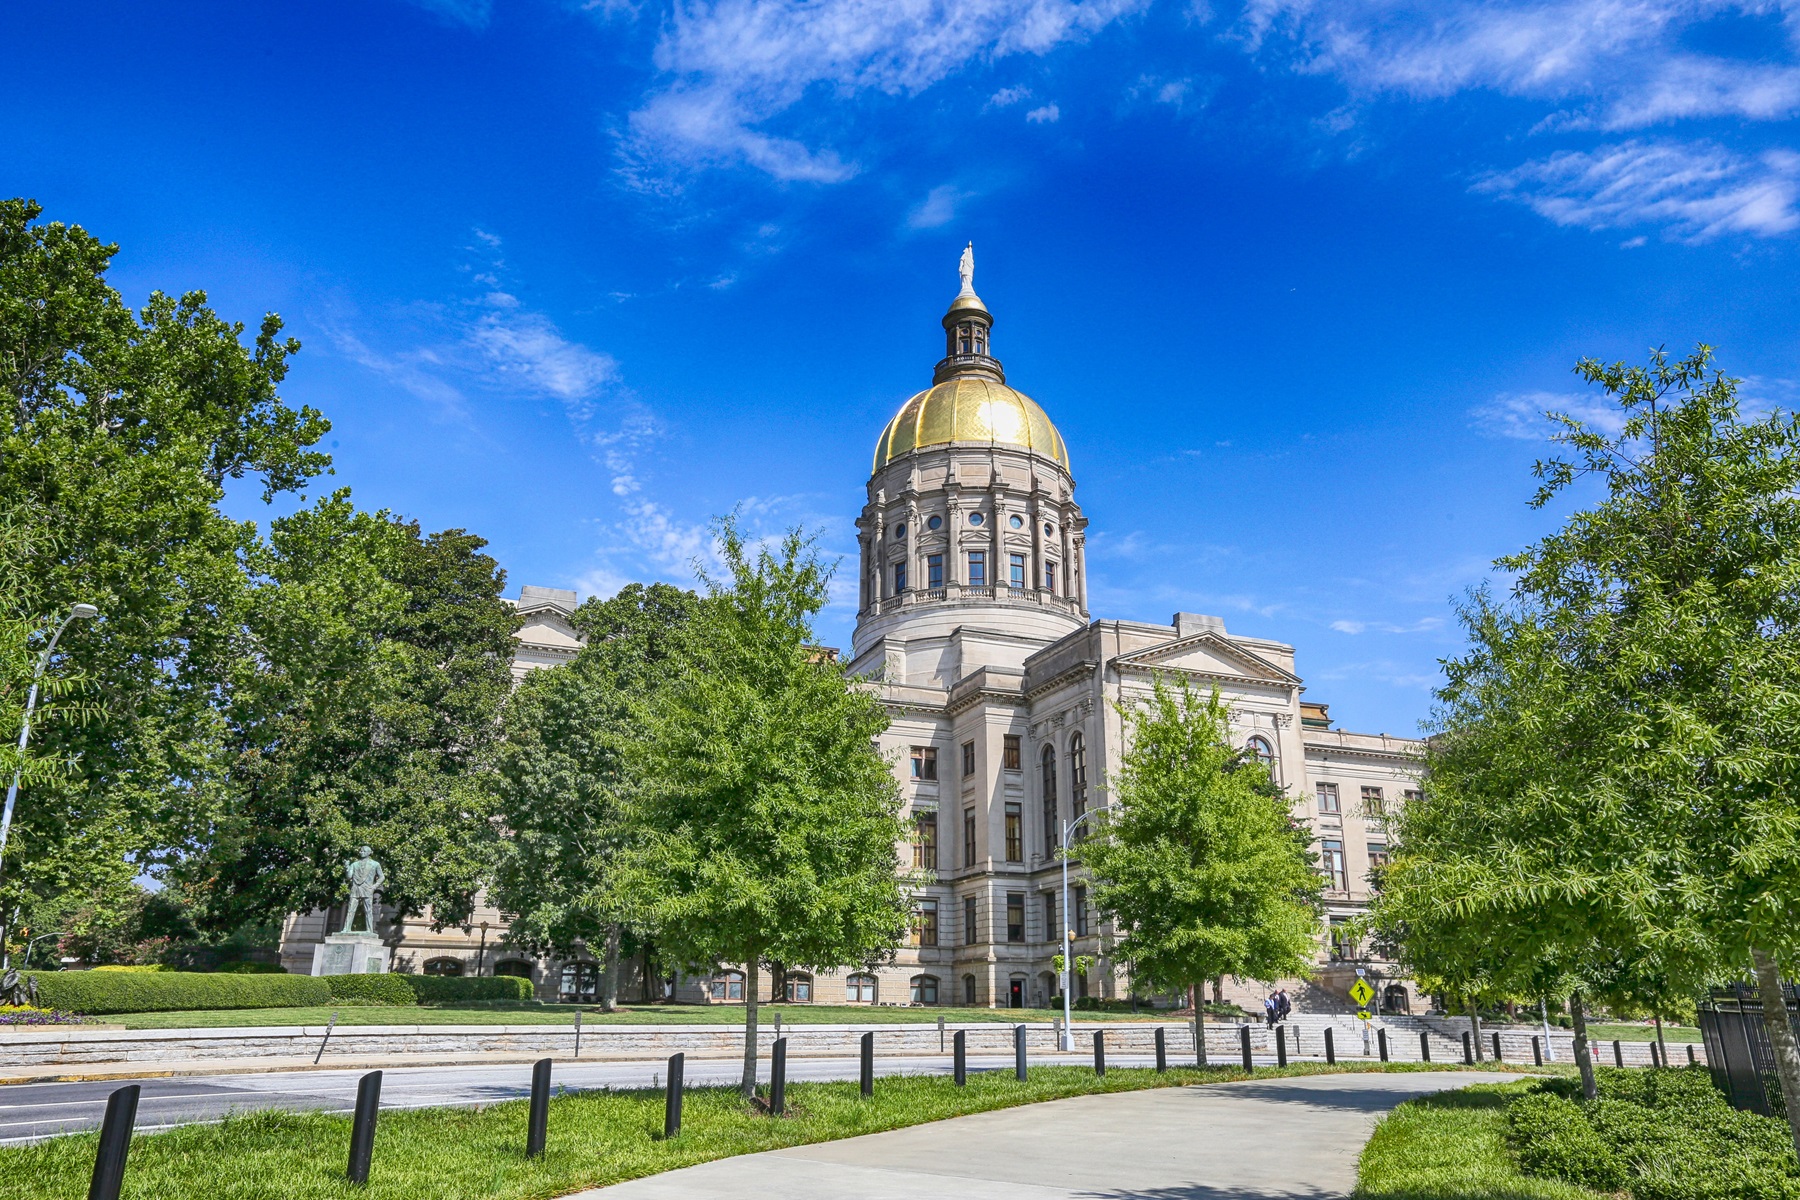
x=969, y=930
x=1328, y=798
x=1079, y=904
x=899, y=578
x=978, y=568
x=1332, y=859
x=1378, y=856
x=1015, y=916
x=924, y=762
x=925, y=843
x=1009, y=751
x=1047, y=784
x=927, y=923
x=1374, y=805
x=1051, y=932
x=1343, y=941
x=968, y=837
x=934, y=570
x=1411, y=794
x=1016, y=566
x=1015, y=834
x=1050, y=577
x=968, y=759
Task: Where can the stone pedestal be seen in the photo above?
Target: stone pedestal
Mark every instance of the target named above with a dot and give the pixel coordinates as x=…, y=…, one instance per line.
x=350, y=954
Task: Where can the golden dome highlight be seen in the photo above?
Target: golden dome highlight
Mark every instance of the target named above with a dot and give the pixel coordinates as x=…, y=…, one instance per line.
x=970, y=408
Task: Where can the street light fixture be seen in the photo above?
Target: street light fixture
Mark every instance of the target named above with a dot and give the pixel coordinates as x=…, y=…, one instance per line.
x=1068, y=828
x=80, y=612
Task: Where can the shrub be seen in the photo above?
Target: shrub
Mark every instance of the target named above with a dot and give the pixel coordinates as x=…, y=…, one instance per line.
x=169, y=991
x=252, y=968
x=1551, y=1137
x=440, y=989
x=131, y=967
x=375, y=989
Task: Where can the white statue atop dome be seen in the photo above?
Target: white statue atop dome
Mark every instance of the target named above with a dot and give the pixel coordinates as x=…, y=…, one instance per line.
x=966, y=268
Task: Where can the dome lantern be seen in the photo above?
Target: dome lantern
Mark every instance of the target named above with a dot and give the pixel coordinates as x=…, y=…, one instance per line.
x=966, y=331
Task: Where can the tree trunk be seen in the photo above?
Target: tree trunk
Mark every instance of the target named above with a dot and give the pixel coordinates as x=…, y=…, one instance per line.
x=1218, y=989
x=1199, y=1027
x=1475, y=1029
x=1662, y=1047
x=1781, y=1038
x=750, y=981
x=609, y=970
x=1584, y=1059
x=777, y=976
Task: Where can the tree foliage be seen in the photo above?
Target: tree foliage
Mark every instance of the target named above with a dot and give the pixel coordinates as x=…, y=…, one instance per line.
x=769, y=824
x=1200, y=862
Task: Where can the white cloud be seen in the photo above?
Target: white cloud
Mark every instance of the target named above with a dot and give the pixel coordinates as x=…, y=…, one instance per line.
x=1521, y=415
x=938, y=208
x=528, y=351
x=735, y=66
x=1008, y=96
x=1049, y=114
x=1622, y=58
x=1696, y=191
x=1423, y=625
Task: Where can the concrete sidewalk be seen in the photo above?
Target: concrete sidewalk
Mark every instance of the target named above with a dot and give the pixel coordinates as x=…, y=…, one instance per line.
x=1283, y=1139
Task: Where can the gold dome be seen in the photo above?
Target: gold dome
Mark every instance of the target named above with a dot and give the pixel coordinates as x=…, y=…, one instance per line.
x=970, y=408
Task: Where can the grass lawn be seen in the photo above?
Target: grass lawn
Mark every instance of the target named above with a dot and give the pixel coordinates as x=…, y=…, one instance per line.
x=596, y=1138
x=564, y=1014
x=1452, y=1147
x=1641, y=1033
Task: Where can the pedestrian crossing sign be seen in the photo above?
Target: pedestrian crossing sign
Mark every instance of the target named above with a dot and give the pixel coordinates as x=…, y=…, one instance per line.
x=1364, y=1015
x=1361, y=992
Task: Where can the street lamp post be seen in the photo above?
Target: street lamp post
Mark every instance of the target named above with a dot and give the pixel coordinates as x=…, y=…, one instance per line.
x=80, y=612
x=1068, y=828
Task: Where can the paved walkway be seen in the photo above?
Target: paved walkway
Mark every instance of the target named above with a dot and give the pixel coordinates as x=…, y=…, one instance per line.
x=1284, y=1139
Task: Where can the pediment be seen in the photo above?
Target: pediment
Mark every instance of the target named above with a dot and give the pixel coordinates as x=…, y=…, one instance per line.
x=548, y=628
x=1207, y=655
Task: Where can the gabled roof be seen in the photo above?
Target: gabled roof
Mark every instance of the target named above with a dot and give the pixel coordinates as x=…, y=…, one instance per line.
x=1207, y=655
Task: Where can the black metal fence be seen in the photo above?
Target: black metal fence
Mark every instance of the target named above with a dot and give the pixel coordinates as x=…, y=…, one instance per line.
x=1737, y=1045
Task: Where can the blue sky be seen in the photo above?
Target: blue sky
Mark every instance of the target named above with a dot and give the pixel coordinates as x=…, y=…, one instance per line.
x=1295, y=279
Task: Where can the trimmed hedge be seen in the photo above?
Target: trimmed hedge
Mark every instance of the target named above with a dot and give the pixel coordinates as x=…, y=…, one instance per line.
x=373, y=989
x=171, y=991
x=440, y=989
x=1656, y=1134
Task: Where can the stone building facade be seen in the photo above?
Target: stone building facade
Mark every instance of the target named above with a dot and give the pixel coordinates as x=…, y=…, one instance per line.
x=1004, y=694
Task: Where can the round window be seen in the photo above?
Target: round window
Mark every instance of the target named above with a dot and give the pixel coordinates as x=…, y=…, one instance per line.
x=900, y=530
x=933, y=522
x=1016, y=522
x=1049, y=529
x=975, y=518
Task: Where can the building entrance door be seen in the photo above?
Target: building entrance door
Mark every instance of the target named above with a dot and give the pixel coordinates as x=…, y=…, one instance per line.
x=1015, y=996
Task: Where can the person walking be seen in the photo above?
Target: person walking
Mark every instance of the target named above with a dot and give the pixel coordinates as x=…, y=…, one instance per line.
x=1269, y=1011
x=1283, y=1006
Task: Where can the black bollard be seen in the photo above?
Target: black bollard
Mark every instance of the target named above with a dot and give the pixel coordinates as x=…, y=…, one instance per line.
x=1330, y=1047
x=1537, y=1051
x=1381, y=1043
x=1019, y=1053
x=1468, y=1049
x=1655, y=1060
x=1424, y=1047
x=1692, y=1061
x=115, y=1142
x=1162, y=1050
x=867, y=1074
x=1244, y=1045
x=1497, y=1057
x=961, y=1042
x=537, y=1128
x=1100, y=1053
x=1281, y=1045
x=778, y=1078
x=1297, y=1050
x=578, y=1033
x=1618, y=1054
x=362, y=1128
x=672, y=1097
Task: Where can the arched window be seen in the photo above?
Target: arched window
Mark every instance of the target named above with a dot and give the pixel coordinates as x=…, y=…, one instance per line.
x=924, y=989
x=1261, y=751
x=1077, y=777
x=798, y=987
x=518, y=968
x=969, y=990
x=726, y=986
x=860, y=989
x=1047, y=783
x=444, y=966
x=580, y=982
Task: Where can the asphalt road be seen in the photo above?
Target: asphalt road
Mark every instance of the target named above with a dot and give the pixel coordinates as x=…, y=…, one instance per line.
x=32, y=1111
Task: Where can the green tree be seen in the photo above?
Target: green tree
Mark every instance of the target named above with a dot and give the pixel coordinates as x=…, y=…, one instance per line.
x=769, y=826
x=1200, y=862
x=1641, y=695
x=565, y=776
x=369, y=715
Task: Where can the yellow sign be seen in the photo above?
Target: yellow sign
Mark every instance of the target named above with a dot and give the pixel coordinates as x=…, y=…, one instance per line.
x=1361, y=992
x=1364, y=1015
